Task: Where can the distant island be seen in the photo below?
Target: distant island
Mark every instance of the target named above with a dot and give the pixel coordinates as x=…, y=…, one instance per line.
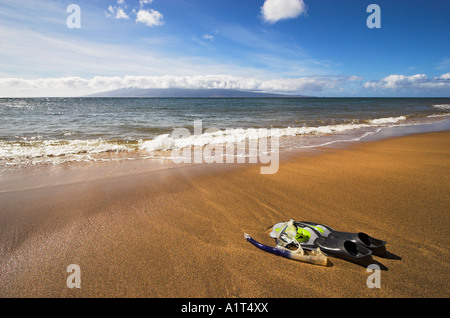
x=185, y=92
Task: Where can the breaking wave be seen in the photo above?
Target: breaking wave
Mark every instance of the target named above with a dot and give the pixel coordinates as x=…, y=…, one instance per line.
x=34, y=151
x=442, y=106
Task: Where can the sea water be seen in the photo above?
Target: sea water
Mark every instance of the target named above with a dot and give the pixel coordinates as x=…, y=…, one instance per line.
x=37, y=131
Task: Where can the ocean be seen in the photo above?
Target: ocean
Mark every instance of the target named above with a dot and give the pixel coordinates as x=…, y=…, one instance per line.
x=37, y=131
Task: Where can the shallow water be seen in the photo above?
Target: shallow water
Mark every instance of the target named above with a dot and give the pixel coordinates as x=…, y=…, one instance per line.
x=59, y=130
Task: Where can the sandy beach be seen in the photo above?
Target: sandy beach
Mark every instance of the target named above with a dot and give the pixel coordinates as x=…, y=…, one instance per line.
x=178, y=232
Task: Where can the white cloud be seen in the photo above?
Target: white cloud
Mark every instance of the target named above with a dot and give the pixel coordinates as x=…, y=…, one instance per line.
x=121, y=14
x=415, y=82
x=117, y=12
x=208, y=37
x=276, y=10
x=77, y=86
x=144, y=2
x=445, y=76
x=110, y=12
x=150, y=17
x=30, y=54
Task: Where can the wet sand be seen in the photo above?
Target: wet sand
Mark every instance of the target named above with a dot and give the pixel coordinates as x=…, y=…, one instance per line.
x=178, y=232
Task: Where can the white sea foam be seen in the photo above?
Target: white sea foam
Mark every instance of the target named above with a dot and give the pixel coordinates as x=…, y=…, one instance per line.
x=27, y=151
x=442, y=106
x=387, y=120
x=57, y=151
x=438, y=115
x=167, y=142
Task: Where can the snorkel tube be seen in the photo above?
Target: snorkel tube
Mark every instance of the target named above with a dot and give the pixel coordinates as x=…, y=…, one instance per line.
x=316, y=257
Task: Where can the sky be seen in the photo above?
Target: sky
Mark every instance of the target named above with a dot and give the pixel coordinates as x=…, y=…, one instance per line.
x=323, y=48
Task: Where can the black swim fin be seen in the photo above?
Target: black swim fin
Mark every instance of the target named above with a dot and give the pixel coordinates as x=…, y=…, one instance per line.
x=378, y=247
x=335, y=247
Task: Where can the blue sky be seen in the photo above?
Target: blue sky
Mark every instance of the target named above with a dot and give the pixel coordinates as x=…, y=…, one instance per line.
x=310, y=47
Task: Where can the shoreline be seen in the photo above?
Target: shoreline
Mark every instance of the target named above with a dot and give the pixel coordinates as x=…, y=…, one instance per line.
x=42, y=152
x=178, y=232
x=16, y=178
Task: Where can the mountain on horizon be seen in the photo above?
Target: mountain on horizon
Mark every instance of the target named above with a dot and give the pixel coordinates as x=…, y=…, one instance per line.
x=185, y=92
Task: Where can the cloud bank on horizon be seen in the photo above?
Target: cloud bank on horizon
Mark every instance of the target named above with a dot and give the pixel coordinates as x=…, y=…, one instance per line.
x=76, y=86
x=417, y=82
x=319, y=48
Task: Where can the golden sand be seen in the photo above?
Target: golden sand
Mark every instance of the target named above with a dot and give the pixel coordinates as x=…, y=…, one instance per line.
x=179, y=232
